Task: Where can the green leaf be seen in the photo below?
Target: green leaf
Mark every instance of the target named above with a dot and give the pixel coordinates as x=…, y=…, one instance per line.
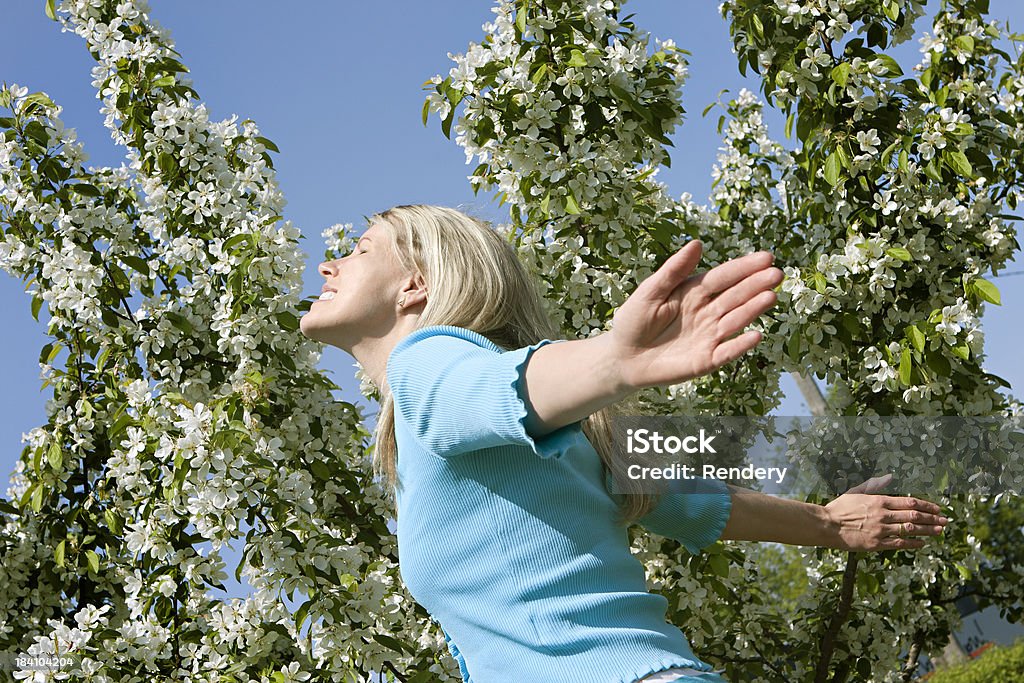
x=94, y=561
x=963, y=351
x=844, y=157
x=841, y=74
x=965, y=43
x=288, y=321
x=135, y=262
x=899, y=253
x=719, y=565
x=58, y=554
x=167, y=163
x=38, y=99
x=571, y=206
x=793, y=346
x=757, y=25
x=164, y=82
x=55, y=456
x=300, y=615
x=426, y=111
x=446, y=125
x=538, y=75
x=521, y=18
x=892, y=10
x=37, y=303
x=577, y=59
x=820, y=282
x=393, y=643
x=964, y=129
x=114, y=521
x=266, y=143
x=987, y=291
x=916, y=337
x=832, y=165
x=51, y=11
x=958, y=162
x=905, y=367
x=37, y=497
x=179, y=321
x=86, y=190
x=320, y=470
x=938, y=363
x=891, y=65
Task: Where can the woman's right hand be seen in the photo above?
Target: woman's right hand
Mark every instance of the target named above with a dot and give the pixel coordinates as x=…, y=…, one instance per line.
x=677, y=326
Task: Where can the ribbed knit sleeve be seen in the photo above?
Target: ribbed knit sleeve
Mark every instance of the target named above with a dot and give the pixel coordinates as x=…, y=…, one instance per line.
x=695, y=519
x=457, y=656
x=458, y=393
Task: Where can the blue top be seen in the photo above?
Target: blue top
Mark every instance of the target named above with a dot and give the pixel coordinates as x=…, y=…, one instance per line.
x=510, y=543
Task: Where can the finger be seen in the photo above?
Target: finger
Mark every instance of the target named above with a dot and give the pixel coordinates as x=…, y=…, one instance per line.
x=911, y=529
x=739, y=294
x=730, y=350
x=746, y=314
x=909, y=503
x=914, y=517
x=725, y=275
x=900, y=543
x=672, y=273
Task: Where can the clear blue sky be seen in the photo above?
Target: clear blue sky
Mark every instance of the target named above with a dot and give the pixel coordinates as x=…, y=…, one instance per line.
x=337, y=86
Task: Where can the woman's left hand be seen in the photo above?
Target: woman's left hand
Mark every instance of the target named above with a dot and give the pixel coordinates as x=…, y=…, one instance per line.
x=860, y=519
x=675, y=327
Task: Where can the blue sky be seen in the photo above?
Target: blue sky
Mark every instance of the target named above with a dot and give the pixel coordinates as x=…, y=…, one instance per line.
x=337, y=86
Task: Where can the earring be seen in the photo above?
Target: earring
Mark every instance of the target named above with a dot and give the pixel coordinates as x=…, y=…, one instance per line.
x=401, y=302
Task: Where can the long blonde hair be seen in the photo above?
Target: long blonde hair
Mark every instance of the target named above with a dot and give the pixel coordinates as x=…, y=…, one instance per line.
x=451, y=250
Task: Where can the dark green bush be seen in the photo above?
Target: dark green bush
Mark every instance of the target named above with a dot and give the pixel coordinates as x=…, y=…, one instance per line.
x=997, y=664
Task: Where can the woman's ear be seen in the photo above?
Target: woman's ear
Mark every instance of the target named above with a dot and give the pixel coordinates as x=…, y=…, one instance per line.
x=415, y=290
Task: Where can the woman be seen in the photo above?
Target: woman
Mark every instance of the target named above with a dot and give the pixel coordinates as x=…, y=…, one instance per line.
x=494, y=435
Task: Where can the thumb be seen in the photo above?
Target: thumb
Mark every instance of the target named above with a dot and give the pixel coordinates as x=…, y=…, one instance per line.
x=873, y=485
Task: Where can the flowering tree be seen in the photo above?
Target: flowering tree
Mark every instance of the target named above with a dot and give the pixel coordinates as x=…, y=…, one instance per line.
x=884, y=219
x=192, y=419
x=198, y=417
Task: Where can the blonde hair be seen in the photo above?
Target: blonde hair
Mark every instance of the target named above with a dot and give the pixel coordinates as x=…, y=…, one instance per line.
x=450, y=249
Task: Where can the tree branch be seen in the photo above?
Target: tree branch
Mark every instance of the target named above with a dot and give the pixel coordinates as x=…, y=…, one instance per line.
x=828, y=641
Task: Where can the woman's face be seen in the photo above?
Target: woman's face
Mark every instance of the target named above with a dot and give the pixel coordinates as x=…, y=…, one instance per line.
x=367, y=285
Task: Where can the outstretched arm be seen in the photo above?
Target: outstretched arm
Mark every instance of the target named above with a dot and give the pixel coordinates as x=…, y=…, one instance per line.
x=673, y=328
x=857, y=520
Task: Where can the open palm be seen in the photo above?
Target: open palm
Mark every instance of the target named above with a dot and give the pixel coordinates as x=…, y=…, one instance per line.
x=677, y=326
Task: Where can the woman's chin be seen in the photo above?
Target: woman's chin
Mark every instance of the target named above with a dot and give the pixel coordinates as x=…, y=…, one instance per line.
x=309, y=328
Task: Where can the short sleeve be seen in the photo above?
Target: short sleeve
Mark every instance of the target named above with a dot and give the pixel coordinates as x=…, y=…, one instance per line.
x=696, y=519
x=458, y=396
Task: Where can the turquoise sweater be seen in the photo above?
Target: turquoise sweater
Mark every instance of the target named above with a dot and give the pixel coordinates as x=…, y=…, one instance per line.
x=510, y=542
